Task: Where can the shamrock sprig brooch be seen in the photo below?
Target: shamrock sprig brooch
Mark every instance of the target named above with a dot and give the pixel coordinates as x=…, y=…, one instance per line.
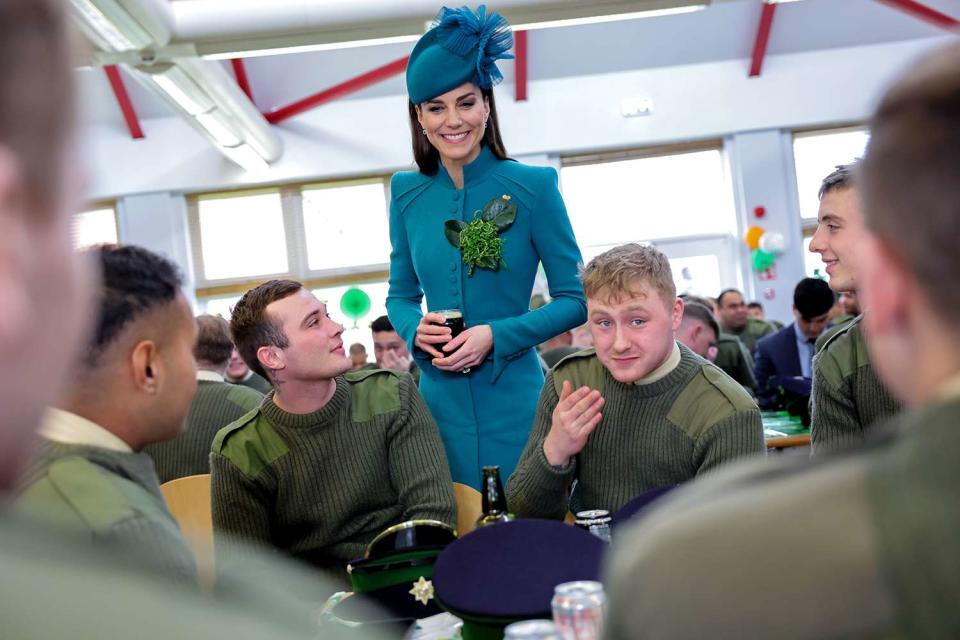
x=479, y=240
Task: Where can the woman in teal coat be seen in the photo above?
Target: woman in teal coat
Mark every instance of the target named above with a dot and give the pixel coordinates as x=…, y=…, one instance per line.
x=469, y=230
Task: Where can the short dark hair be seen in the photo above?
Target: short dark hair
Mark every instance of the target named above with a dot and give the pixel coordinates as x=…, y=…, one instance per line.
x=251, y=326
x=755, y=305
x=911, y=176
x=134, y=281
x=381, y=324
x=37, y=92
x=725, y=292
x=813, y=297
x=841, y=177
x=699, y=312
x=426, y=155
x=214, y=345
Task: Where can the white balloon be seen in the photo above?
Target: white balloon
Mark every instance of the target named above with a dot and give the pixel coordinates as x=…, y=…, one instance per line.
x=773, y=242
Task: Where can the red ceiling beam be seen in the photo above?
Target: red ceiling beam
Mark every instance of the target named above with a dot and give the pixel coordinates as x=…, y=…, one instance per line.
x=520, y=67
x=123, y=98
x=763, y=36
x=925, y=13
x=240, y=72
x=338, y=91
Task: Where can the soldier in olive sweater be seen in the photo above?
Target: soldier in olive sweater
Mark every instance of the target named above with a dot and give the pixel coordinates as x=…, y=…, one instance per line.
x=862, y=545
x=216, y=404
x=132, y=388
x=331, y=458
x=735, y=320
x=636, y=413
x=847, y=399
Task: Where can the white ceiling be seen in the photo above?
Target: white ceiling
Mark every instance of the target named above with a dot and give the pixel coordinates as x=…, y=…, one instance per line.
x=723, y=31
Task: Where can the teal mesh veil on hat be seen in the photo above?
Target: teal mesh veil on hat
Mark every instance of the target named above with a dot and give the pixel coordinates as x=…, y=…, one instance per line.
x=461, y=46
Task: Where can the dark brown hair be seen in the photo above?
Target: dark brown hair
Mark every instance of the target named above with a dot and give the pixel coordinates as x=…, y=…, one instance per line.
x=37, y=92
x=214, y=345
x=426, y=155
x=910, y=176
x=252, y=327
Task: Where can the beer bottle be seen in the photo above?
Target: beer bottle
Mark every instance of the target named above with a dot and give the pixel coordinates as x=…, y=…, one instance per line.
x=494, y=501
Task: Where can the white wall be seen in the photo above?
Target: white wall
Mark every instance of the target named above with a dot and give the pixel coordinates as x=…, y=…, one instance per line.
x=568, y=115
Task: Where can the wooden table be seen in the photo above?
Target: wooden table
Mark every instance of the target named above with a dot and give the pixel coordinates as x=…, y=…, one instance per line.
x=786, y=442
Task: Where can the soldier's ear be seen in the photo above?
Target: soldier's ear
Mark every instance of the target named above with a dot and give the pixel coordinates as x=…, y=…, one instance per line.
x=145, y=366
x=271, y=358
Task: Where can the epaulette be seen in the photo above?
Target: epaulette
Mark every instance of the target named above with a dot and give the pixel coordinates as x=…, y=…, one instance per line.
x=580, y=368
x=250, y=443
x=373, y=392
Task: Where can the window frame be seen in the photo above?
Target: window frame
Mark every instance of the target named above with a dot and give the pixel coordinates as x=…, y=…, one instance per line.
x=291, y=202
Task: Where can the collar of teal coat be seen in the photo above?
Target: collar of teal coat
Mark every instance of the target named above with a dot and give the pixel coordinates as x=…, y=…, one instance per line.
x=474, y=172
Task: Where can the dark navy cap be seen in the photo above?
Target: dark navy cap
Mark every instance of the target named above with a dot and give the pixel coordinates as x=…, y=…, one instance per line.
x=506, y=572
x=636, y=505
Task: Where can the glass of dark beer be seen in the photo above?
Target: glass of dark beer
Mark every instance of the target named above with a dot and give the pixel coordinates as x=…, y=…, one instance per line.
x=452, y=318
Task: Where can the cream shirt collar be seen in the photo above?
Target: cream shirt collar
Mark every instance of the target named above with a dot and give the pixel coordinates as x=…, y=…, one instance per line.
x=664, y=369
x=69, y=428
x=949, y=389
x=209, y=376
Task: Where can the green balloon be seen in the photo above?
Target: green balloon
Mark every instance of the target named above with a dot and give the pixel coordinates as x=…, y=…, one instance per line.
x=355, y=303
x=762, y=260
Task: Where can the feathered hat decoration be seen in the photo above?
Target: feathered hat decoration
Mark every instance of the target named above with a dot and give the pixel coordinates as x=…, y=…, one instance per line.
x=461, y=46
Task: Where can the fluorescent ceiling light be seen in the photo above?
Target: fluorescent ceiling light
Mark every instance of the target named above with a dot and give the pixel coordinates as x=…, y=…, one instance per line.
x=183, y=90
x=617, y=17
x=246, y=157
x=326, y=46
x=112, y=24
x=220, y=128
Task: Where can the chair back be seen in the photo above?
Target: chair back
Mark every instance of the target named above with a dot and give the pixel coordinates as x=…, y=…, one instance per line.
x=469, y=507
x=189, y=501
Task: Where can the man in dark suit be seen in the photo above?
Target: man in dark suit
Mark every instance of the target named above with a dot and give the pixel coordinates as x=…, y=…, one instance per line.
x=783, y=361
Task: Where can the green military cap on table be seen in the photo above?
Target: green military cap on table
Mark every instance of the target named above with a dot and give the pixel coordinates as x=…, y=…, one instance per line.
x=395, y=575
x=505, y=573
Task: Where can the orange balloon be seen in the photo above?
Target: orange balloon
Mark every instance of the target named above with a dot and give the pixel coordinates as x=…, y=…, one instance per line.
x=752, y=237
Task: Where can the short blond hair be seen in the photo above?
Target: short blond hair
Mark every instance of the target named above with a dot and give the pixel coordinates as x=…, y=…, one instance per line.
x=622, y=271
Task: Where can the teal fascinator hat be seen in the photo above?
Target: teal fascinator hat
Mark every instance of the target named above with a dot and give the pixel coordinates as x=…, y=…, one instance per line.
x=461, y=46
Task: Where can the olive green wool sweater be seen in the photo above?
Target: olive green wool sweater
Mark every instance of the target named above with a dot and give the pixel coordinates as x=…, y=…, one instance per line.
x=320, y=486
x=216, y=405
x=847, y=397
x=110, y=498
x=651, y=436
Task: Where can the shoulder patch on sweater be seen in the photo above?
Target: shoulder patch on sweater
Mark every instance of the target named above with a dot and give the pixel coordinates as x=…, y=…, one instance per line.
x=709, y=397
x=373, y=392
x=89, y=491
x=251, y=444
x=843, y=354
x=581, y=368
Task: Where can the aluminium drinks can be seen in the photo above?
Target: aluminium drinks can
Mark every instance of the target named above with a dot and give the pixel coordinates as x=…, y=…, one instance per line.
x=578, y=609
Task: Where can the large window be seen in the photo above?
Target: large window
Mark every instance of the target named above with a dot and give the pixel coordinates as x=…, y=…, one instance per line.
x=328, y=236
x=648, y=198
x=346, y=226
x=816, y=155
x=94, y=226
x=242, y=236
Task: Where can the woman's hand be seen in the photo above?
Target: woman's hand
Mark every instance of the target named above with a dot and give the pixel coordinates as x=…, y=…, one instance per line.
x=467, y=350
x=431, y=333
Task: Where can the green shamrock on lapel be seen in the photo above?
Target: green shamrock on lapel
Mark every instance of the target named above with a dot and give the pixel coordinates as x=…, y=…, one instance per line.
x=479, y=240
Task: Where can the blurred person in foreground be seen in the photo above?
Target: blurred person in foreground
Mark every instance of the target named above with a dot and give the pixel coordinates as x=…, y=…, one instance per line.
x=55, y=585
x=864, y=545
